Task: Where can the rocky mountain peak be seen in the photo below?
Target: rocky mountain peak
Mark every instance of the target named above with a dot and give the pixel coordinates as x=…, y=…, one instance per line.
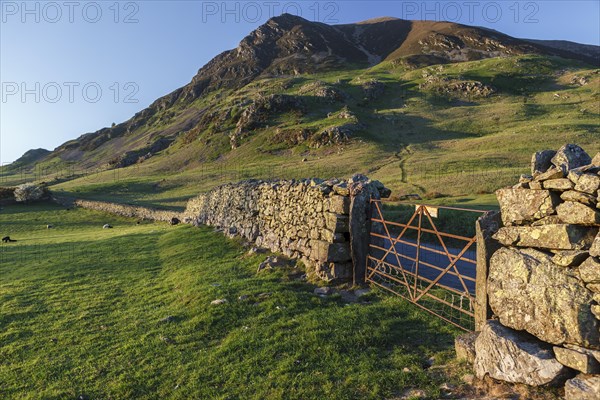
x=288, y=45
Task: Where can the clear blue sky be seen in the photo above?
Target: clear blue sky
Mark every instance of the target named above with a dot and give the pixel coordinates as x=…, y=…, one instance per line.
x=56, y=57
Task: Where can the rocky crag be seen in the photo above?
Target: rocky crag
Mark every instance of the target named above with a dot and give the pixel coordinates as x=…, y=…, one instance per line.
x=543, y=284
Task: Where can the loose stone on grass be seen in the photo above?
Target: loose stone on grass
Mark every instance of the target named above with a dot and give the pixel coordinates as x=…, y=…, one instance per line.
x=323, y=291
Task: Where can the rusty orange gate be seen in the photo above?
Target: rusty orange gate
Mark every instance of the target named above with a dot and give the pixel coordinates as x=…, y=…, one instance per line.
x=434, y=270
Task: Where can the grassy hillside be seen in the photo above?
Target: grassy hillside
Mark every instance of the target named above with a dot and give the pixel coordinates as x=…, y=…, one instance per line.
x=125, y=313
x=426, y=132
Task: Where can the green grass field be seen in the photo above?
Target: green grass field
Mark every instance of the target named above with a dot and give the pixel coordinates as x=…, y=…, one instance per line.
x=82, y=313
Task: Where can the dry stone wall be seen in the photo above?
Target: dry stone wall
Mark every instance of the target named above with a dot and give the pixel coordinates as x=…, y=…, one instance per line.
x=124, y=210
x=7, y=195
x=543, y=284
x=309, y=219
x=323, y=223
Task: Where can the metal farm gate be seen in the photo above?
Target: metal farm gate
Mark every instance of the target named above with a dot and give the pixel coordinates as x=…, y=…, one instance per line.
x=433, y=269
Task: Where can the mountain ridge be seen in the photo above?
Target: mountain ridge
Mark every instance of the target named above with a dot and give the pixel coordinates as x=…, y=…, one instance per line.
x=285, y=47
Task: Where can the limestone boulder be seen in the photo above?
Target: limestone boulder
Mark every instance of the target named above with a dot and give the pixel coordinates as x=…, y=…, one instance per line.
x=527, y=291
x=583, y=387
x=341, y=189
x=520, y=206
x=571, y=212
x=596, y=160
x=594, y=287
x=551, y=236
x=596, y=310
x=570, y=156
x=593, y=353
x=515, y=357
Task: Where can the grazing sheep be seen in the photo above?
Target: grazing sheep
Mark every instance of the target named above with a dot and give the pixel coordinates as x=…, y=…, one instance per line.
x=7, y=239
x=49, y=226
x=174, y=221
x=107, y=226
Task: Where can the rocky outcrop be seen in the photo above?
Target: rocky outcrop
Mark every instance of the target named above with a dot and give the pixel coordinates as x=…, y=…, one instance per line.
x=335, y=135
x=307, y=219
x=589, y=270
x=141, y=155
x=262, y=108
x=512, y=356
x=323, y=91
x=458, y=88
x=373, y=89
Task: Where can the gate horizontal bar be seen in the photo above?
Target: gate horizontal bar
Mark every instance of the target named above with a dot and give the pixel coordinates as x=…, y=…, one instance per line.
x=398, y=224
x=462, y=310
x=422, y=262
x=412, y=274
x=432, y=206
x=463, y=258
x=422, y=307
